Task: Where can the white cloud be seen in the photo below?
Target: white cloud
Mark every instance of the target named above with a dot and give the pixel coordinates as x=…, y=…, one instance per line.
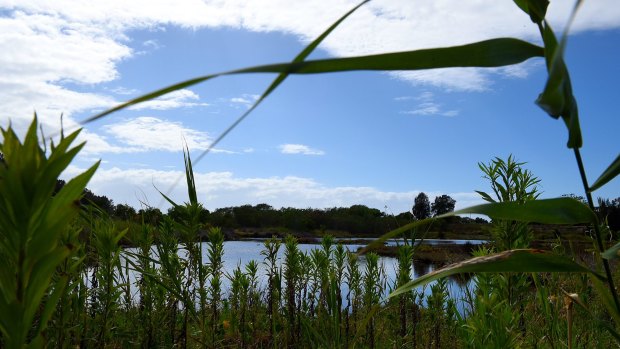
x=43, y=52
x=299, y=149
x=427, y=108
x=176, y=99
x=51, y=43
x=153, y=134
x=221, y=189
x=426, y=105
x=120, y=90
x=245, y=100
x=144, y=134
x=152, y=44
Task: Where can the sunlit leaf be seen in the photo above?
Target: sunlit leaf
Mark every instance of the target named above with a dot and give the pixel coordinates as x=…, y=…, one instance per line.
x=610, y=173
x=547, y=211
x=517, y=261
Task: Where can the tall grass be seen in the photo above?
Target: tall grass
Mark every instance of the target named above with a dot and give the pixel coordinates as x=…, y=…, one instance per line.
x=66, y=286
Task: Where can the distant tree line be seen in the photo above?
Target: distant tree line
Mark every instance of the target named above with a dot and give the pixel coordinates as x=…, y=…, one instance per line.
x=357, y=219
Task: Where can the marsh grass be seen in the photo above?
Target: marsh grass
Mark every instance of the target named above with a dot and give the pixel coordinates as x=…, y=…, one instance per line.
x=65, y=285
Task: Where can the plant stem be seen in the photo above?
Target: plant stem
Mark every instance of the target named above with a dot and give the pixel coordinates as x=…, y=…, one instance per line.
x=597, y=231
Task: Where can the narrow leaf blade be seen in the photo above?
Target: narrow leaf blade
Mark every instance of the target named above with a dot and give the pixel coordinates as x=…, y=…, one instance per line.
x=547, y=211
x=612, y=252
x=610, y=173
x=513, y=261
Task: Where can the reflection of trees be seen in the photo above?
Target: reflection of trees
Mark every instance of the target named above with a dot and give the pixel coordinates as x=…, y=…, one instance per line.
x=461, y=279
x=421, y=268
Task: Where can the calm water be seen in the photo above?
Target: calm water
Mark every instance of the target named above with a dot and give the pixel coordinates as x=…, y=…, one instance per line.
x=239, y=253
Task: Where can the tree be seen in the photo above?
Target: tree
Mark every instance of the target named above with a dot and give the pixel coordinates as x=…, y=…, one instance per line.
x=421, y=207
x=124, y=211
x=100, y=201
x=443, y=204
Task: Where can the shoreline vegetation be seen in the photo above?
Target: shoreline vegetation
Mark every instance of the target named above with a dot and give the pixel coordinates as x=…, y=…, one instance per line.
x=66, y=283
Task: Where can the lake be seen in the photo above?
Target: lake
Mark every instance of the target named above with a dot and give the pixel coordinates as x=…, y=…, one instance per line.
x=239, y=253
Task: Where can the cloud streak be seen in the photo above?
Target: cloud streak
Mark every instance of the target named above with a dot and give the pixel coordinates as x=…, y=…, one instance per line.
x=299, y=149
x=183, y=98
x=426, y=106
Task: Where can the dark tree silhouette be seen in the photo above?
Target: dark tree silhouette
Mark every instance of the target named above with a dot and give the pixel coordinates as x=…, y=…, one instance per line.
x=443, y=204
x=421, y=207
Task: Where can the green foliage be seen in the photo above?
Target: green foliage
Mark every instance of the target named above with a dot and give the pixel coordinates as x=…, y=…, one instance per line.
x=44, y=266
x=32, y=225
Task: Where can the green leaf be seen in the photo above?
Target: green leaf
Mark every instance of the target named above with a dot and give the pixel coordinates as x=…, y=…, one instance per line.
x=536, y=9
x=557, y=98
x=189, y=176
x=612, y=253
x=489, y=53
x=513, y=261
x=547, y=211
x=398, y=231
x=486, y=197
x=50, y=304
x=610, y=173
x=40, y=279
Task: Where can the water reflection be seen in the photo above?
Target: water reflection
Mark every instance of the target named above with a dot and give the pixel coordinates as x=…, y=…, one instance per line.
x=240, y=253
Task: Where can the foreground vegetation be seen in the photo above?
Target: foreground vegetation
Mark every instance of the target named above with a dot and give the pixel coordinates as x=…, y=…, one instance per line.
x=64, y=286
x=86, y=291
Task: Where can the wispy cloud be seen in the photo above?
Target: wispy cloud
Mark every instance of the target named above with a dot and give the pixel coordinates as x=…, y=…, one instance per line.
x=245, y=100
x=150, y=133
x=299, y=149
x=176, y=99
x=124, y=91
x=426, y=105
x=152, y=44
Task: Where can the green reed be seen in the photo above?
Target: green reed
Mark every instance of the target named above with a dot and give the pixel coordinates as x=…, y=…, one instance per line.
x=59, y=289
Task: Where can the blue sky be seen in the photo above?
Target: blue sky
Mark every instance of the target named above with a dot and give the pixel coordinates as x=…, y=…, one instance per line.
x=318, y=141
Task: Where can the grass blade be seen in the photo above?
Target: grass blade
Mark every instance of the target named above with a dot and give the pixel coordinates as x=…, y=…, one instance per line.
x=488, y=53
x=612, y=253
x=547, y=211
x=513, y=261
x=557, y=98
x=610, y=173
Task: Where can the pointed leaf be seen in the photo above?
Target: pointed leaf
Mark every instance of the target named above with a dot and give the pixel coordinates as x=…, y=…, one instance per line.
x=613, y=252
x=610, y=173
x=547, y=211
x=486, y=197
x=513, y=261
x=557, y=98
x=489, y=53
x=537, y=9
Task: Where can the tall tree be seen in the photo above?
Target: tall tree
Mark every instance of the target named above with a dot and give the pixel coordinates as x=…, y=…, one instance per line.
x=443, y=204
x=421, y=207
